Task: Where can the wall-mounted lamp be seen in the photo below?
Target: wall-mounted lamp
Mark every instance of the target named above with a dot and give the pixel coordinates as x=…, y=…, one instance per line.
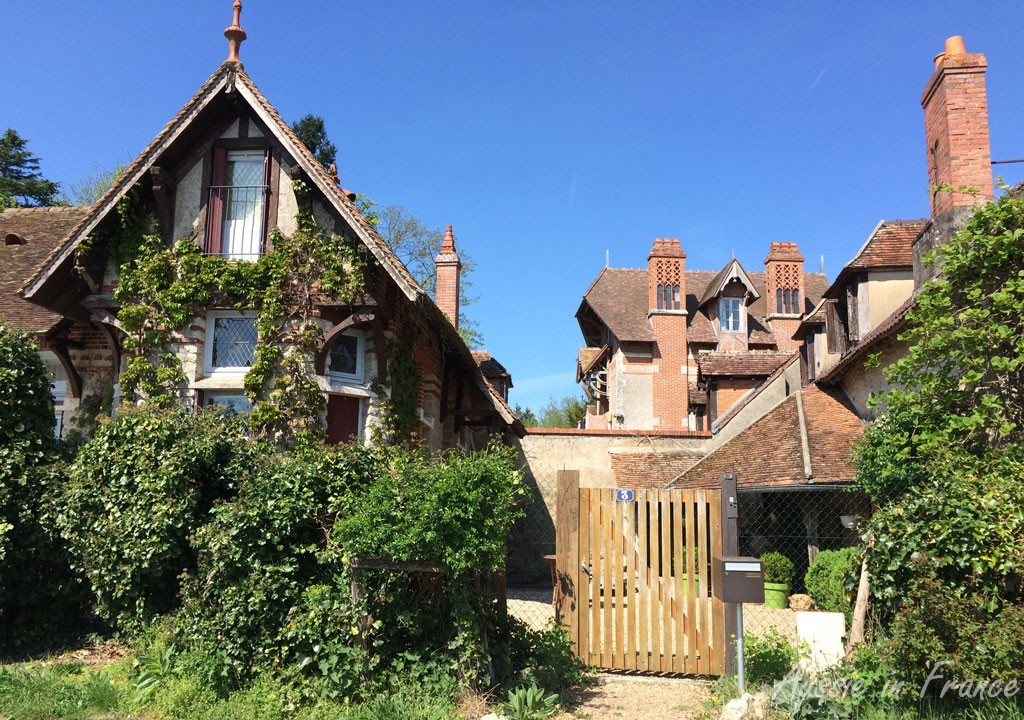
x=849, y=521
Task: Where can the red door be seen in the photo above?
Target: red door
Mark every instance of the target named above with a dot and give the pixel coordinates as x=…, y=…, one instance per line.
x=342, y=418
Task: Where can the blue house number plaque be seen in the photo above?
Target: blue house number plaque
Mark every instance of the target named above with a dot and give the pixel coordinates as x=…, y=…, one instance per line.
x=624, y=495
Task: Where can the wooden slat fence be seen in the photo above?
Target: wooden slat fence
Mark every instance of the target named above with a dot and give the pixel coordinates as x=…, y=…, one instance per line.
x=634, y=577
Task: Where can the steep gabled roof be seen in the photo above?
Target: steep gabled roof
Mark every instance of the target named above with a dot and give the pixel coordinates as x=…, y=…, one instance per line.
x=807, y=437
x=229, y=78
x=732, y=270
x=888, y=247
x=37, y=231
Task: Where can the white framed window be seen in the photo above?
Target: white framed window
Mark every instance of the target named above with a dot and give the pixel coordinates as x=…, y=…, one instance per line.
x=235, y=403
x=347, y=359
x=238, y=196
x=230, y=342
x=730, y=314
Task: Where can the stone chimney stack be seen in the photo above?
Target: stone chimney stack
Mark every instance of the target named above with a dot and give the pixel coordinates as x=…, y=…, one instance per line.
x=959, y=157
x=446, y=286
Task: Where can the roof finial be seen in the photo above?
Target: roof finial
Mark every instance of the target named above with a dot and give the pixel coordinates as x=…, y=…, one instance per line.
x=448, y=244
x=235, y=34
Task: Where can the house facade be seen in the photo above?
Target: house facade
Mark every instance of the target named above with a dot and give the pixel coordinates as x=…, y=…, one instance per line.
x=227, y=173
x=671, y=348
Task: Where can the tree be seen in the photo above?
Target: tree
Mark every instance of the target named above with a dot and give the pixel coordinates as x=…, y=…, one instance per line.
x=416, y=245
x=20, y=179
x=410, y=238
x=944, y=462
x=93, y=186
x=563, y=412
x=313, y=134
x=526, y=416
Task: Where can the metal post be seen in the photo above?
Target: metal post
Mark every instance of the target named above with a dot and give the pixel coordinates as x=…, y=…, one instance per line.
x=741, y=676
x=730, y=546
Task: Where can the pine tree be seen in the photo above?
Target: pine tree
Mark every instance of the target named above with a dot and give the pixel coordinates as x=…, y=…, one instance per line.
x=21, y=183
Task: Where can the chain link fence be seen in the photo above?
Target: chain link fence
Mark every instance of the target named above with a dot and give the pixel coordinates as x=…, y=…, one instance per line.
x=529, y=568
x=798, y=523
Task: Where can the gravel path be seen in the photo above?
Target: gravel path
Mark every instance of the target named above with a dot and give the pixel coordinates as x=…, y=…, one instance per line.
x=641, y=698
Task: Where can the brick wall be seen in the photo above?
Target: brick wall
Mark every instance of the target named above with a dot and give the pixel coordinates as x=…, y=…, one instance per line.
x=666, y=268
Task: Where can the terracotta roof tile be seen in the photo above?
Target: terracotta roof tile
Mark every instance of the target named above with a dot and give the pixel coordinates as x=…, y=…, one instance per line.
x=41, y=229
x=619, y=298
x=650, y=469
x=888, y=247
x=760, y=364
x=770, y=451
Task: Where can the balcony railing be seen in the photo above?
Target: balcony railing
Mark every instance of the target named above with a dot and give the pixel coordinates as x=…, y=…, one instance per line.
x=237, y=221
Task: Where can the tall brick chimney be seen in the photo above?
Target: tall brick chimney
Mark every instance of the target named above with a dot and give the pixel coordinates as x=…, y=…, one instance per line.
x=447, y=268
x=666, y=292
x=784, y=292
x=957, y=143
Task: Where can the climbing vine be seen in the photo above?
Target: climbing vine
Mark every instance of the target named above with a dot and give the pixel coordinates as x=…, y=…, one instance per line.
x=400, y=417
x=163, y=288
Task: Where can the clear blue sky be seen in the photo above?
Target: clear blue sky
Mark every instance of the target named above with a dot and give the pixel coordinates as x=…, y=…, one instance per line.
x=547, y=132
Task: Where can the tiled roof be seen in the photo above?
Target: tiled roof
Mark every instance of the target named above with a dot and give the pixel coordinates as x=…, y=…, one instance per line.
x=619, y=298
x=770, y=452
x=888, y=247
x=748, y=397
x=587, y=359
x=488, y=365
x=741, y=364
x=889, y=327
x=41, y=229
x=650, y=469
x=815, y=318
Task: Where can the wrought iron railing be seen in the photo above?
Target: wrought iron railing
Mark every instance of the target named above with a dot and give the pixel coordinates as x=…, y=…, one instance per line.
x=237, y=221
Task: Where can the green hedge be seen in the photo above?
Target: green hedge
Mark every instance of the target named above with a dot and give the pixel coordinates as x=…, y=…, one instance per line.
x=832, y=577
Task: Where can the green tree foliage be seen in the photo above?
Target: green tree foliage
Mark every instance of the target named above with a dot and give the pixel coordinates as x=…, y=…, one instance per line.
x=945, y=461
x=526, y=416
x=92, y=187
x=313, y=134
x=20, y=179
x=39, y=595
x=564, y=412
x=136, y=493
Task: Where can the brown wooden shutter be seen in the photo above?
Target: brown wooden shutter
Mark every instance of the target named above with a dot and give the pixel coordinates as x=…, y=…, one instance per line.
x=215, y=226
x=342, y=418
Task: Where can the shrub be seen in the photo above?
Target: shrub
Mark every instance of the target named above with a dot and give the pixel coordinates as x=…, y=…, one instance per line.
x=135, y=494
x=777, y=568
x=832, y=577
x=768, y=657
x=41, y=599
x=271, y=588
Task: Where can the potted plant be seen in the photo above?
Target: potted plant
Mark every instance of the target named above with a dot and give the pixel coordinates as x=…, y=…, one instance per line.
x=778, y=578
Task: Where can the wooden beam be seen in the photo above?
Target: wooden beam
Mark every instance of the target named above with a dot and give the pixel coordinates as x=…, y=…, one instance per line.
x=361, y=316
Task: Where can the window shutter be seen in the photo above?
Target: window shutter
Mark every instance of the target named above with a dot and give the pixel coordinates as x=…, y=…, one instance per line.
x=215, y=226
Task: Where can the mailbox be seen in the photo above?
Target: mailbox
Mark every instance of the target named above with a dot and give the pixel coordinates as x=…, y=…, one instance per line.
x=737, y=579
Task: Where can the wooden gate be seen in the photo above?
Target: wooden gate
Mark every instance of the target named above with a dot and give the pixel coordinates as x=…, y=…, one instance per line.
x=633, y=577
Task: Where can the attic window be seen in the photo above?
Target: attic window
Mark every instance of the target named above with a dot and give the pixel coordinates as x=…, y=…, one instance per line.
x=13, y=239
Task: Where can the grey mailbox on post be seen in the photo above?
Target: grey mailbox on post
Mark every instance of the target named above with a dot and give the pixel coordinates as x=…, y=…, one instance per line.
x=737, y=579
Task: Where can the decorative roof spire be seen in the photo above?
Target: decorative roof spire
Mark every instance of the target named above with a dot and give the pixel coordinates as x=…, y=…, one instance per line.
x=448, y=244
x=235, y=35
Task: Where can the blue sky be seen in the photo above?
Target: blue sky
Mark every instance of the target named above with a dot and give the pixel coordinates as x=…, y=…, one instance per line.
x=547, y=132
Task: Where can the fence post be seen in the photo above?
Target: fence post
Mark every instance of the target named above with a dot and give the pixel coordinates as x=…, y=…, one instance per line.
x=730, y=546
x=567, y=514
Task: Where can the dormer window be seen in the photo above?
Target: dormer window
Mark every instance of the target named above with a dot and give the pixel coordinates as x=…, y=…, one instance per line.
x=730, y=314
x=238, y=201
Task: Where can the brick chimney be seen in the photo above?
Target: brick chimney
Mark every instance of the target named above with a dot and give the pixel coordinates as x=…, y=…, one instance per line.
x=957, y=144
x=784, y=292
x=666, y=281
x=446, y=286
x=666, y=291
